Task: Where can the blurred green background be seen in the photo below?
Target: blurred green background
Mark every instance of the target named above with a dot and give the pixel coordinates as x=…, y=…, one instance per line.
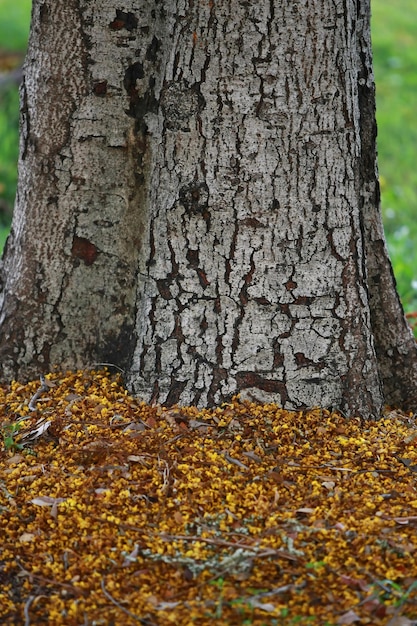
x=14, y=29
x=394, y=32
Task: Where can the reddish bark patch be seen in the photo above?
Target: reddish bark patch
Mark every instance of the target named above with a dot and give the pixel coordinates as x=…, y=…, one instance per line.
x=290, y=285
x=164, y=290
x=84, y=249
x=204, y=281
x=252, y=379
x=100, y=88
x=125, y=20
x=251, y=222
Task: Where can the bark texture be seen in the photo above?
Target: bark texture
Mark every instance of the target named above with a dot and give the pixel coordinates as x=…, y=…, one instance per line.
x=394, y=343
x=69, y=269
x=198, y=204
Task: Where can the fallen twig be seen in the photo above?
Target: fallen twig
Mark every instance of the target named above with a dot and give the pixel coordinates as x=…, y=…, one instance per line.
x=259, y=553
x=76, y=591
x=45, y=386
x=110, y=365
x=26, y=610
x=122, y=608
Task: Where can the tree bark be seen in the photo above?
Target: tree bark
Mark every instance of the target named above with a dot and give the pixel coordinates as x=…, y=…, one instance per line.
x=198, y=204
x=69, y=269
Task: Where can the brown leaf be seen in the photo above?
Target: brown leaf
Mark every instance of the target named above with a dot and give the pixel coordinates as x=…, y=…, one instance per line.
x=197, y=424
x=348, y=618
x=164, y=606
x=407, y=462
x=48, y=383
x=276, y=476
x=16, y=458
x=46, y=501
x=27, y=537
x=97, y=409
x=38, y=430
x=263, y=606
x=375, y=607
x=400, y=620
x=131, y=558
x=72, y=397
x=253, y=456
x=230, y=459
x=178, y=517
x=354, y=582
x=134, y=426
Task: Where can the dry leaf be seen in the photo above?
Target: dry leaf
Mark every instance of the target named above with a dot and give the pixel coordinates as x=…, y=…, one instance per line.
x=131, y=558
x=48, y=383
x=411, y=437
x=400, y=620
x=16, y=458
x=37, y=430
x=178, y=517
x=230, y=459
x=404, y=461
x=135, y=426
x=354, y=582
x=163, y=606
x=27, y=537
x=72, y=397
x=263, y=606
x=253, y=456
x=46, y=501
x=348, y=618
x=197, y=424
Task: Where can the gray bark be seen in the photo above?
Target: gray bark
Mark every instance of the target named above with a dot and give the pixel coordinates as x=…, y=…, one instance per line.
x=198, y=204
x=69, y=269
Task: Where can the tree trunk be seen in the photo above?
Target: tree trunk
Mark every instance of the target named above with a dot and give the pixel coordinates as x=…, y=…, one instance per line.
x=198, y=204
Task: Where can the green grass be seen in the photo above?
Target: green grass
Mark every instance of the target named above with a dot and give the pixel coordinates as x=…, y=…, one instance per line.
x=14, y=29
x=9, y=148
x=14, y=24
x=4, y=231
x=394, y=31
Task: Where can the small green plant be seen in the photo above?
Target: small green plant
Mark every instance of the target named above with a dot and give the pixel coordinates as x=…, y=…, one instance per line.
x=219, y=583
x=388, y=589
x=9, y=432
x=316, y=565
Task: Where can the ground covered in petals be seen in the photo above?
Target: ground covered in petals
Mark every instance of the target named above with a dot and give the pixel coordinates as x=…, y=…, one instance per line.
x=116, y=512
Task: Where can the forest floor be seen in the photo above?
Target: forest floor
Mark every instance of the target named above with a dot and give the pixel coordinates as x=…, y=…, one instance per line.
x=116, y=512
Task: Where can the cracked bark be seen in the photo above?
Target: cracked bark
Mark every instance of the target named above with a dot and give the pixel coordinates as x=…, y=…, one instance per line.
x=69, y=269
x=198, y=203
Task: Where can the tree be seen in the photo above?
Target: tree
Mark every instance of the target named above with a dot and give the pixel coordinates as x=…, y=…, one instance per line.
x=198, y=204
